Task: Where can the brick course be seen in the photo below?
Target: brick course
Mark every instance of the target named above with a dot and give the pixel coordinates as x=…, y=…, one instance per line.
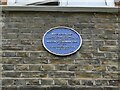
x=26, y=63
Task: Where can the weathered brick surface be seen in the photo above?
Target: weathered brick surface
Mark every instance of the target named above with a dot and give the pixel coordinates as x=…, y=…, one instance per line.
x=25, y=63
x=0, y=47
x=57, y=88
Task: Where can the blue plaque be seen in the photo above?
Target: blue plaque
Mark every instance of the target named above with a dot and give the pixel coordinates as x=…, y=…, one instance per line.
x=62, y=41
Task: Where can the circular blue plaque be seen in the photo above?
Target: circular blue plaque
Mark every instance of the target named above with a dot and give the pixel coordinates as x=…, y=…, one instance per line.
x=62, y=41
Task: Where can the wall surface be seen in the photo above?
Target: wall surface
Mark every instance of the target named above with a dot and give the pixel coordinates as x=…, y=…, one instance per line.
x=0, y=48
x=26, y=65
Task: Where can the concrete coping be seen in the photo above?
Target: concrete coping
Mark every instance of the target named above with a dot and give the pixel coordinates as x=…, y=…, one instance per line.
x=61, y=9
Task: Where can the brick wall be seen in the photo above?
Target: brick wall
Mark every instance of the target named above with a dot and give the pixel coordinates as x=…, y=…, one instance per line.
x=0, y=48
x=26, y=65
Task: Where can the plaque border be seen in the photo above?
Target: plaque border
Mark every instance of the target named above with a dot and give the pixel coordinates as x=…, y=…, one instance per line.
x=62, y=54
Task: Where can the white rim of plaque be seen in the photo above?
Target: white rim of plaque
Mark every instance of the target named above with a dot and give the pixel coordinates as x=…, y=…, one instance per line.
x=62, y=54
